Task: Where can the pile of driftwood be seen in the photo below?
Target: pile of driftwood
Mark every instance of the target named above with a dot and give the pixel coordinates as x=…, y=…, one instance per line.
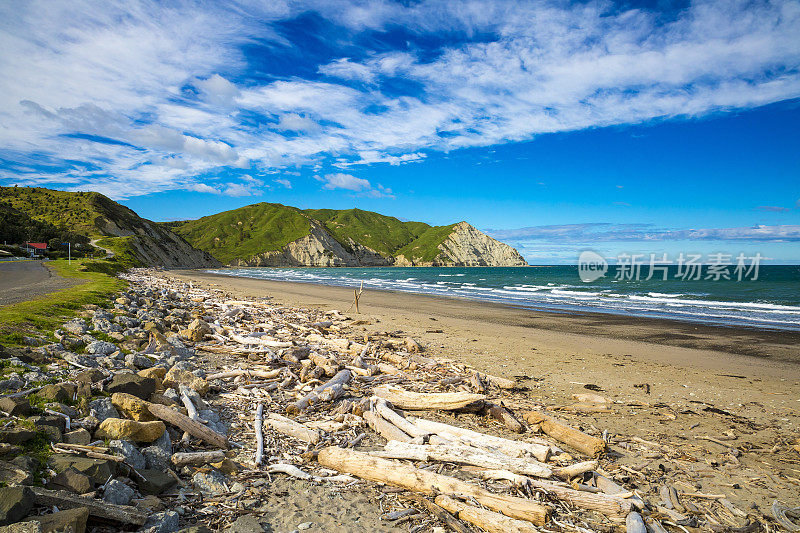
x=320, y=400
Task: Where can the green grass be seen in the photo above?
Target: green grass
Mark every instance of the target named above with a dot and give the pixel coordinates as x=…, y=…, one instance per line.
x=48, y=312
x=245, y=232
x=425, y=247
x=122, y=247
x=248, y=231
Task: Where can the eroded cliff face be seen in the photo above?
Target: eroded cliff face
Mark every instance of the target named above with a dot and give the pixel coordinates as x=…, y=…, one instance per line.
x=157, y=246
x=465, y=246
x=320, y=249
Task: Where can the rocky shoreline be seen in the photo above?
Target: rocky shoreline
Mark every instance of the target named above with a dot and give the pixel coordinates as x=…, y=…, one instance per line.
x=167, y=410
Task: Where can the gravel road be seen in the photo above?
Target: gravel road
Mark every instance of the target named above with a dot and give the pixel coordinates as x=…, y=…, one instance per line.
x=24, y=280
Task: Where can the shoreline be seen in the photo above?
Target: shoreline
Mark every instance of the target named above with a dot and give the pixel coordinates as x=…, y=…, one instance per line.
x=769, y=345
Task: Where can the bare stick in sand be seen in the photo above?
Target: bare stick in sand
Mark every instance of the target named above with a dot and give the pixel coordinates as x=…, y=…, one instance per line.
x=259, y=433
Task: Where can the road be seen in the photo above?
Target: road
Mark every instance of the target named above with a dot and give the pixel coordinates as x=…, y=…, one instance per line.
x=109, y=253
x=24, y=280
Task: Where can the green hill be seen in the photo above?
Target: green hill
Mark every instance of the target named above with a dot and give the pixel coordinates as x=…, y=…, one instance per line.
x=267, y=234
x=39, y=214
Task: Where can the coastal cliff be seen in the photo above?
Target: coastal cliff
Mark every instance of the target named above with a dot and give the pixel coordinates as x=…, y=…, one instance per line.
x=276, y=235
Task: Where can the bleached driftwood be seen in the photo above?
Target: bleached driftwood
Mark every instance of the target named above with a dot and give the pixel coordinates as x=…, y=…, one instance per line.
x=291, y=470
x=262, y=374
x=445, y=401
x=381, y=408
x=191, y=410
x=250, y=340
x=66, y=500
x=384, y=428
x=287, y=426
x=443, y=515
x=365, y=466
x=489, y=520
x=587, y=444
x=259, y=429
x=502, y=414
x=336, y=383
x=197, y=458
x=610, y=487
x=497, y=381
x=196, y=429
x=456, y=453
x=509, y=447
x=634, y=523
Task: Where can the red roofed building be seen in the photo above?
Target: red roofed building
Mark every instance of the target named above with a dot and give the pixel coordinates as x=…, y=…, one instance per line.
x=36, y=248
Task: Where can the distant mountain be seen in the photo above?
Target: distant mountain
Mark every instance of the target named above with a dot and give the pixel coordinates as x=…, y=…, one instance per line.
x=268, y=234
x=38, y=214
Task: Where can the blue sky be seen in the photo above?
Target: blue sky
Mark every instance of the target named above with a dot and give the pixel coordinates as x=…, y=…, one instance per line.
x=632, y=127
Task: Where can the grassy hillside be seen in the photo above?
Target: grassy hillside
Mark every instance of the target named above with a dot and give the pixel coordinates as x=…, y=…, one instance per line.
x=84, y=213
x=244, y=232
x=383, y=234
x=248, y=231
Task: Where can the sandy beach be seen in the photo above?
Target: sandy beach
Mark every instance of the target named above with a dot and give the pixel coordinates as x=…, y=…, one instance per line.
x=691, y=380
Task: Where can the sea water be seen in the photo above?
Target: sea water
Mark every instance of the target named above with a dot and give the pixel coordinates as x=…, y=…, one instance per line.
x=771, y=301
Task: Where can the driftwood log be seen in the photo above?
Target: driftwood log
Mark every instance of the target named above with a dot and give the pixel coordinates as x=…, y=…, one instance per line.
x=197, y=458
x=336, y=382
x=443, y=515
x=98, y=508
x=381, y=408
x=488, y=520
x=586, y=444
x=509, y=447
x=365, y=466
x=502, y=414
x=456, y=453
x=384, y=428
x=445, y=401
x=289, y=427
x=196, y=429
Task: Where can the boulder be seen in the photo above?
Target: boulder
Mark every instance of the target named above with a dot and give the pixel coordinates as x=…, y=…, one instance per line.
x=118, y=493
x=132, y=384
x=60, y=392
x=15, y=504
x=178, y=376
x=11, y=474
x=246, y=524
x=163, y=522
x=132, y=407
x=58, y=422
x=101, y=348
x=15, y=406
x=69, y=521
x=210, y=483
x=91, y=375
x=197, y=330
x=98, y=470
x=71, y=480
x=138, y=361
x=129, y=451
x=16, y=435
x=155, y=481
x=76, y=327
x=120, y=428
x=156, y=458
x=79, y=436
x=102, y=408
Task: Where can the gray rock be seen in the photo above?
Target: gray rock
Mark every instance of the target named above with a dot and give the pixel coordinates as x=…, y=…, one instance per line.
x=118, y=493
x=76, y=327
x=15, y=406
x=14, y=382
x=98, y=470
x=34, y=376
x=15, y=504
x=129, y=451
x=71, y=480
x=16, y=435
x=81, y=360
x=132, y=384
x=101, y=348
x=71, y=520
x=78, y=436
x=139, y=361
x=156, y=457
x=163, y=522
x=172, y=394
x=154, y=481
x=211, y=482
x=246, y=524
x=11, y=474
x=102, y=408
x=164, y=442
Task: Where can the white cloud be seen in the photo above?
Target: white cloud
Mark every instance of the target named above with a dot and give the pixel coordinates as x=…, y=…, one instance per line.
x=347, y=182
x=144, y=92
x=284, y=182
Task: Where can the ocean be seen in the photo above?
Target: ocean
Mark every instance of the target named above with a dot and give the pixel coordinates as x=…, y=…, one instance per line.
x=771, y=301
